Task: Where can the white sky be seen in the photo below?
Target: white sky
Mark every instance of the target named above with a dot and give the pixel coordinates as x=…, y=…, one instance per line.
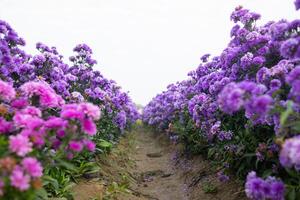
x=142, y=44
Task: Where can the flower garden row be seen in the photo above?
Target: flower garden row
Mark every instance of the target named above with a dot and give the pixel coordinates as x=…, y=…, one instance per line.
x=54, y=117
x=242, y=109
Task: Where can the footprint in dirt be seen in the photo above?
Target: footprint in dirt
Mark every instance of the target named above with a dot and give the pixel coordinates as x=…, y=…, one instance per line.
x=154, y=155
x=149, y=176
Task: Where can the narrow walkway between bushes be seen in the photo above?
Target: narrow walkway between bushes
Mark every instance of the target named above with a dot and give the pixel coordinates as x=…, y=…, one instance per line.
x=147, y=166
x=155, y=169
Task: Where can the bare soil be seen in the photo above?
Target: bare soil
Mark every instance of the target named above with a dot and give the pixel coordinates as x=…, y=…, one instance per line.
x=146, y=166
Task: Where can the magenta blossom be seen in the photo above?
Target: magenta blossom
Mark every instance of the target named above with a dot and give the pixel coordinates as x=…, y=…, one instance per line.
x=1, y=187
x=89, y=127
x=19, y=180
x=7, y=92
x=47, y=96
x=20, y=145
x=75, y=146
x=91, y=146
x=32, y=166
x=5, y=126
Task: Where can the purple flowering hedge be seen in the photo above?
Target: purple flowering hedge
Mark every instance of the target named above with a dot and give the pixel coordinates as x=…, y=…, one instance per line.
x=54, y=118
x=241, y=109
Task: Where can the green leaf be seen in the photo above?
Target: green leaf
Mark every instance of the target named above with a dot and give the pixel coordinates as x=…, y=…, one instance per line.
x=291, y=194
x=65, y=164
x=49, y=180
x=105, y=144
x=210, y=153
x=284, y=116
x=41, y=194
x=296, y=126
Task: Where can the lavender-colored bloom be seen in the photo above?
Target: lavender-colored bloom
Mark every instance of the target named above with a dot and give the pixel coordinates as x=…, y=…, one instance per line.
x=258, y=189
x=222, y=177
x=231, y=98
x=205, y=57
x=225, y=135
x=261, y=104
x=297, y=4
x=289, y=47
x=275, y=84
x=290, y=153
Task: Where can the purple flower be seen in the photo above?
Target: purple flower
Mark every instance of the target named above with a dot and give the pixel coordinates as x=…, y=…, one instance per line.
x=290, y=153
x=32, y=166
x=56, y=122
x=75, y=146
x=289, y=47
x=261, y=104
x=89, y=126
x=19, y=179
x=231, y=98
x=297, y=4
x=47, y=96
x=91, y=146
x=5, y=126
x=222, y=177
x=7, y=92
x=20, y=145
x=225, y=135
x=259, y=189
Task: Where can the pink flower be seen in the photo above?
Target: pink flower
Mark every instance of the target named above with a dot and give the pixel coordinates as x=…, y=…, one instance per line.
x=20, y=145
x=7, y=92
x=19, y=180
x=27, y=120
x=90, y=110
x=60, y=133
x=75, y=146
x=32, y=166
x=89, y=126
x=71, y=111
x=33, y=111
x=70, y=156
x=91, y=146
x=1, y=187
x=5, y=126
x=36, y=136
x=78, y=111
x=47, y=96
x=55, y=122
x=19, y=103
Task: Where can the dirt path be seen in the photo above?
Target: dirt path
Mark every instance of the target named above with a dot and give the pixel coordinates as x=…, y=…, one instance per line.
x=158, y=178
x=146, y=166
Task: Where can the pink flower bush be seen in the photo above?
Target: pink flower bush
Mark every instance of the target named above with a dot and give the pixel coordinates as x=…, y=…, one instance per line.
x=5, y=126
x=47, y=96
x=20, y=145
x=75, y=146
x=33, y=167
x=91, y=146
x=1, y=187
x=7, y=92
x=89, y=126
x=19, y=179
x=44, y=116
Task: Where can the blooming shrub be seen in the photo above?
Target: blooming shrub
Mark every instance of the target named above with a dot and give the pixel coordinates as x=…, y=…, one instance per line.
x=52, y=116
x=241, y=108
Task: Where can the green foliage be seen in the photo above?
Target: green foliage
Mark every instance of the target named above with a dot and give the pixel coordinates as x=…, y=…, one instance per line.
x=209, y=188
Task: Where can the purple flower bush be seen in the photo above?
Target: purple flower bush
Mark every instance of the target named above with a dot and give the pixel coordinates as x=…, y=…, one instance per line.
x=242, y=108
x=52, y=116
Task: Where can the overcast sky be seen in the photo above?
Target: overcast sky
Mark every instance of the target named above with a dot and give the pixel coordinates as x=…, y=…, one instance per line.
x=142, y=44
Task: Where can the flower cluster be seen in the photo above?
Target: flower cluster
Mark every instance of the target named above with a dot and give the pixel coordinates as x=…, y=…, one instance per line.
x=32, y=131
x=235, y=104
x=259, y=189
x=51, y=111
